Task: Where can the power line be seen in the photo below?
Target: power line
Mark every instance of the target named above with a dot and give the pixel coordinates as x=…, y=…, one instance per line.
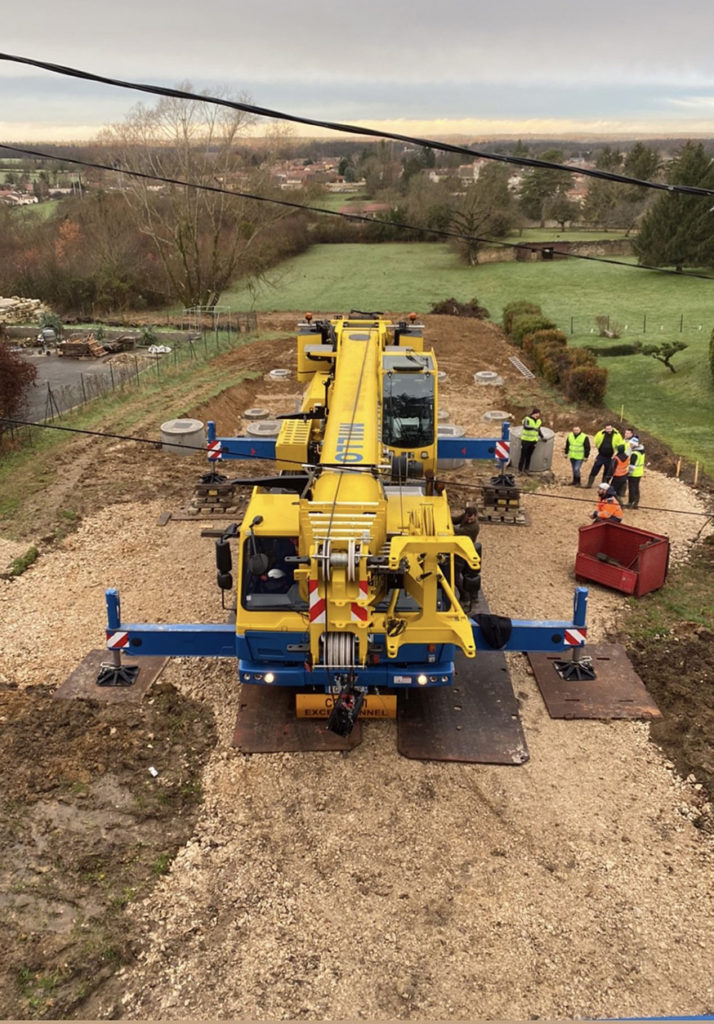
x=400, y=225
x=455, y=485
x=350, y=129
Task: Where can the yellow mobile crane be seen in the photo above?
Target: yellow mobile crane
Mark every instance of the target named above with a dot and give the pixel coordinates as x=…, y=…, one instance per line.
x=347, y=556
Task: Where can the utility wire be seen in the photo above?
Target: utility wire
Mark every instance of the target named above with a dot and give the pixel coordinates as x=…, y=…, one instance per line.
x=350, y=129
x=401, y=225
x=456, y=485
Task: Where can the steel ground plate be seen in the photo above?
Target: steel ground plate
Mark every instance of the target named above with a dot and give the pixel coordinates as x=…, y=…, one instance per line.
x=616, y=692
x=82, y=682
x=267, y=724
x=475, y=721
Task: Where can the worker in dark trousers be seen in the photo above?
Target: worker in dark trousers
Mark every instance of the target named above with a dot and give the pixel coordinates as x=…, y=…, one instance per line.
x=607, y=442
x=577, y=449
x=637, y=468
x=620, y=471
x=531, y=434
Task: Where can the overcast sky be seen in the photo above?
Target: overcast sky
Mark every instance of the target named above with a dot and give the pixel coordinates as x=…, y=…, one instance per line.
x=424, y=66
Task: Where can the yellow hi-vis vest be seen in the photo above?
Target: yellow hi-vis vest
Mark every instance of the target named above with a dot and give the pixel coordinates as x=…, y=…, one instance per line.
x=637, y=467
x=531, y=427
x=576, y=445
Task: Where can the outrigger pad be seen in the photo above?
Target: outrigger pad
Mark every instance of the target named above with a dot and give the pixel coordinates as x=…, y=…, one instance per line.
x=267, y=724
x=476, y=720
x=82, y=682
x=616, y=692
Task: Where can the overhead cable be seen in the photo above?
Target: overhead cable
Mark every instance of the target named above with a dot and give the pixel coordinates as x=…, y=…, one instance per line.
x=457, y=485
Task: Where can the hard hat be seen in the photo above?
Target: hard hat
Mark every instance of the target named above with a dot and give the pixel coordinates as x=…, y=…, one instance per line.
x=603, y=487
x=276, y=574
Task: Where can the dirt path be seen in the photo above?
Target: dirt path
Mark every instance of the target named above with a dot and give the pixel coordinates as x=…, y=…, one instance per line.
x=329, y=887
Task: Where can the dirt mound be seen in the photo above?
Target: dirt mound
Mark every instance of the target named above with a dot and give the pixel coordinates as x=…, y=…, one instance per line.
x=85, y=828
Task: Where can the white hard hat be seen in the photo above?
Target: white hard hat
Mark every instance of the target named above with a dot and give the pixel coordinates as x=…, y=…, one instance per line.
x=603, y=487
x=276, y=574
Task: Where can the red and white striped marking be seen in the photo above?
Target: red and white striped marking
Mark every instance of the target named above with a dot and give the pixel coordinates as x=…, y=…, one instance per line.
x=359, y=612
x=213, y=450
x=317, y=603
x=116, y=639
x=503, y=450
x=575, y=637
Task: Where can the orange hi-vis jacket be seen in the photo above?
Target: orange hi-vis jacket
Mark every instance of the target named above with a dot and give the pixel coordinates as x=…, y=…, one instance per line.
x=609, y=508
x=621, y=464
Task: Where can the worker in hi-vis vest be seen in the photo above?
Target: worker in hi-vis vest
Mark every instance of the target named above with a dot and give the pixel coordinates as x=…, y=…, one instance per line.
x=607, y=442
x=531, y=434
x=577, y=449
x=637, y=468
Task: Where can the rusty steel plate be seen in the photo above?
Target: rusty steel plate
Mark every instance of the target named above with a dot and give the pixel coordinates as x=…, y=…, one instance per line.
x=82, y=682
x=267, y=724
x=616, y=692
x=476, y=720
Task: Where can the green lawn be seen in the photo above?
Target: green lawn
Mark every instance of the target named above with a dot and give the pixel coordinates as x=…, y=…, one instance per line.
x=556, y=235
x=400, y=277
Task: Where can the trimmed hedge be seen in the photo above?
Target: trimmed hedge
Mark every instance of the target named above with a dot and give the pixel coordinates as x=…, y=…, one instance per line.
x=625, y=349
x=518, y=308
x=586, y=384
x=528, y=323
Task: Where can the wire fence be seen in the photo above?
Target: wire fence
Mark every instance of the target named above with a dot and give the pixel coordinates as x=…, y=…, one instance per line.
x=632, y=324
x=143, y=368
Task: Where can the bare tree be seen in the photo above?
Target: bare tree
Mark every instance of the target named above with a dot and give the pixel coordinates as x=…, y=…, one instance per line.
x=203, y=239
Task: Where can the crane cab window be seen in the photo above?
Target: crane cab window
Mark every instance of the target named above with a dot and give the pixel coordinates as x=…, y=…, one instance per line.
x=408, y=402
x=268, y=579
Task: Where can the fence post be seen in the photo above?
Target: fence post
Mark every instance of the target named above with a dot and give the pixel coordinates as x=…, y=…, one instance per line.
x=644, y=324
x=572, y=322
x=111, y=374
x=681, y=323
x=84, y=390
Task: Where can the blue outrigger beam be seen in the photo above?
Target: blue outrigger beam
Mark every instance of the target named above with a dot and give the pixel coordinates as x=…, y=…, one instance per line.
x=488, y=448
x=219, y=640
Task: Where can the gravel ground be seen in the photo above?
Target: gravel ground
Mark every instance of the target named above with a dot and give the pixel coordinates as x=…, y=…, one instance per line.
x=330, y=887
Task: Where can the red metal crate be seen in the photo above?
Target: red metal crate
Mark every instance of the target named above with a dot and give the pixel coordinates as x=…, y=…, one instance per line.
x=633, y=561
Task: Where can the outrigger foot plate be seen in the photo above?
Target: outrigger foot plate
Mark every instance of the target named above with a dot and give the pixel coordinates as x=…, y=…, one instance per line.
x=475, y=721
x=615, y=692
x=267, y=724
x=83, y=681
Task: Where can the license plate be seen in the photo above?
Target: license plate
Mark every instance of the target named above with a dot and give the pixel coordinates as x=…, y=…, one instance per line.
x=319, y=705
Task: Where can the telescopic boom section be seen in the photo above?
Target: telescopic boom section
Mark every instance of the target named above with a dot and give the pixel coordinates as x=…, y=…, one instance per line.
x=352, y=438
x=345, y=521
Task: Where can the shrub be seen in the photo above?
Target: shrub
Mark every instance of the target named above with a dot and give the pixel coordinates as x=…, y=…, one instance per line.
x=556, y=336
x=452, y=307
x=625, y=349
x=586, y=384
x=528, y=323
x=16, y=378
x=518, y=308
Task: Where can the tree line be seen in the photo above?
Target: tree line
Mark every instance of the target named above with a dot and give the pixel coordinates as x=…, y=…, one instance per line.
x=130, y=242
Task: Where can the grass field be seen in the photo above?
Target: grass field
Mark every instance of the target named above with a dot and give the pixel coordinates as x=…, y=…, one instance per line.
x=678, y=408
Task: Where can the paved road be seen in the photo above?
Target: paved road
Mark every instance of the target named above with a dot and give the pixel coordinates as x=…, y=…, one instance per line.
x=59, y=382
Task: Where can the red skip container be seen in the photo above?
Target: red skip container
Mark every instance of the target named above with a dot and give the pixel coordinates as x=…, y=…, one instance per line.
x=623, y=558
